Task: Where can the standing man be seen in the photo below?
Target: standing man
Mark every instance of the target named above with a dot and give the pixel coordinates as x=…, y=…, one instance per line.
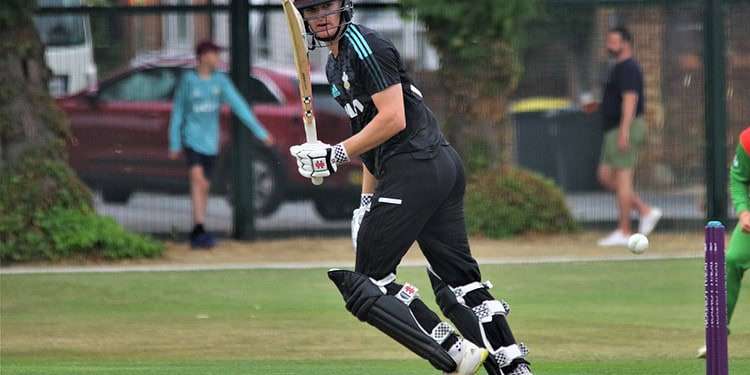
x=622, y=110
x=412, y=190
x=194, y=129
x=738, y=254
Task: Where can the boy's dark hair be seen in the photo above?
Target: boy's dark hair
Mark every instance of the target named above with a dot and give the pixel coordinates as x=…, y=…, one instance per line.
x=624, y=33
x=206, y=46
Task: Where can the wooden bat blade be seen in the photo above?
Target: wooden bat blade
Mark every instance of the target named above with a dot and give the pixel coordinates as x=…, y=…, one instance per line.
x=302, y=65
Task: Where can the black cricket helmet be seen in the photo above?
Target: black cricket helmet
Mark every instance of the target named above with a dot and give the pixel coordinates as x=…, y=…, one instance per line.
x=346, y=10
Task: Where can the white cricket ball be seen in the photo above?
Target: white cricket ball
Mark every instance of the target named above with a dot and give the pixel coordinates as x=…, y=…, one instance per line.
x=637, y=243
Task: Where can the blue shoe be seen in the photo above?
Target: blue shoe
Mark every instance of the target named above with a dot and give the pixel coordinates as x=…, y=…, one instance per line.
x=202, y=241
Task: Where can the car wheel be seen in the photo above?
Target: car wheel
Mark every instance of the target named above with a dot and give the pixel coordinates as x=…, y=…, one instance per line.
x=268, y=186
x=333, y=209
x=115, y=195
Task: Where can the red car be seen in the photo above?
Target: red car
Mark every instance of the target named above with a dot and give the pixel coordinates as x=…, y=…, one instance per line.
x=120, y=139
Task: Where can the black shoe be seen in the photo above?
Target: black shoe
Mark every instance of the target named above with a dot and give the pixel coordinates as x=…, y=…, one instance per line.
x=202, y=241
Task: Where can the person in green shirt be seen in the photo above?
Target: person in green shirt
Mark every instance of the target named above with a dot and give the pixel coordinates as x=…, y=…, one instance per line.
x=194, y=129
x=738, y=253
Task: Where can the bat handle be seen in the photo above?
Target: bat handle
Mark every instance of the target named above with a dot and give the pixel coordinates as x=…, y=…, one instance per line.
x=311, y=135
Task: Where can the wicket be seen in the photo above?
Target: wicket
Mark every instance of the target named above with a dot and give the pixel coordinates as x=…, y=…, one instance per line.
x=716, y=301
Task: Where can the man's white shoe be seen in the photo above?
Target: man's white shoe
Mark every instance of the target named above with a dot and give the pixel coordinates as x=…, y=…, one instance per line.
x=616, y=238
x=701, y=352
x=468, y=357
x=648, y=222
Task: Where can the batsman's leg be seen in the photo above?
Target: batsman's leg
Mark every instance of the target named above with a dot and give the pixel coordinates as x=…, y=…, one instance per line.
x=404, y=201
x=397, y=311
x=455, y=279
x=482, y=319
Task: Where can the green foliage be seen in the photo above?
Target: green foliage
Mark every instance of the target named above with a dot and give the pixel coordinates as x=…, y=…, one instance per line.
x=478, y=42
x=19, y=34
x=468, y=27
x=46, y=214
x=478, y=157
x=15, y=12
x=506, y=201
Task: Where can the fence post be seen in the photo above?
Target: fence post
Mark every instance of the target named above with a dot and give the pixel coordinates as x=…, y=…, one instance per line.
x=243, y=185
x=716, y=116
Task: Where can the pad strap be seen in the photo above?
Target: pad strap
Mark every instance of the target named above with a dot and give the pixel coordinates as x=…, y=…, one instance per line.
x=441, y=332
x=463, y=290
x=488, y=309
x=383, y=282
x=506, y=354
x=521, y=369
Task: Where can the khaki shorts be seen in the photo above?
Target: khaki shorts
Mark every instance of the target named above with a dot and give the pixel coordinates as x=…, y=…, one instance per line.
x=611, y=154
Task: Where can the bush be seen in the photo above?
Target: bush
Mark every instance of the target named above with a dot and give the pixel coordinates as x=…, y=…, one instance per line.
x=505, y=201
x=45, y=213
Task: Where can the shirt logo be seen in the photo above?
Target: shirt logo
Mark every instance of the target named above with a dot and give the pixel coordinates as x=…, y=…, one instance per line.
x=736, y=163
x=205, y=106
x=335, y=91
x=345, y=78
x=354, y=108
x=320, y=165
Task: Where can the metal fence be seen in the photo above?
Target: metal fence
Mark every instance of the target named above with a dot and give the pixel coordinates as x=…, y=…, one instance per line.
x=121, y=63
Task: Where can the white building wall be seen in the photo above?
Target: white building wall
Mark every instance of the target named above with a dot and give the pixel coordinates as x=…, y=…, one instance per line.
x=274, y=49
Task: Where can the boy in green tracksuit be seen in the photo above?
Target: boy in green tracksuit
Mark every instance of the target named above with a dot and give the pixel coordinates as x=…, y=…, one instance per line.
x=738, y=254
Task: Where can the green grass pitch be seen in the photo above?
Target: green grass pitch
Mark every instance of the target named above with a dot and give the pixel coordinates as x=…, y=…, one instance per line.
x=577, y=318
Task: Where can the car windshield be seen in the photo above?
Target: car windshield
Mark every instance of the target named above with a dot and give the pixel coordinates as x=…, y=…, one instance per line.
x=60, y=30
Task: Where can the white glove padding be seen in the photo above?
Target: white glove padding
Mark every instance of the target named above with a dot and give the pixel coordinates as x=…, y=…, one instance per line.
x=314, y=159
x=358, y=215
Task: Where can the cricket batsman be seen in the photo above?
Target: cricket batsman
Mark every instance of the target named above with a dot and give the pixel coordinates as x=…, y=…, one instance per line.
x=738, y=254
x=412, y=190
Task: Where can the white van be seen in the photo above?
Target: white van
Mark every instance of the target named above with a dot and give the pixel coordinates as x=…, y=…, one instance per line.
x=69, y=49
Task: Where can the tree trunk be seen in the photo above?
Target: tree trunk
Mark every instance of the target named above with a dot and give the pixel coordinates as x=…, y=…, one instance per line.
x=30, y=123
x=34, y=173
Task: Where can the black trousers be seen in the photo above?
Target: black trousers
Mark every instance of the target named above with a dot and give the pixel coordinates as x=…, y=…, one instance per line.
x=420, y=198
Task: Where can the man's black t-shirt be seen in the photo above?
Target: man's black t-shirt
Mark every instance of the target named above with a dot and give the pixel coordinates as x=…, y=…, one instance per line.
x=624, y=76
x=366, y=65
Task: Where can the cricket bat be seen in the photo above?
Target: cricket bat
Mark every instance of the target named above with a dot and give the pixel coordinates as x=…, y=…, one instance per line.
x=302, y=63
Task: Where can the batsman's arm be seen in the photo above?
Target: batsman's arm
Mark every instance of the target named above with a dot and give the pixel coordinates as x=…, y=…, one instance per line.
x=390, y=120
x=380, y=77
x=739, y=177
